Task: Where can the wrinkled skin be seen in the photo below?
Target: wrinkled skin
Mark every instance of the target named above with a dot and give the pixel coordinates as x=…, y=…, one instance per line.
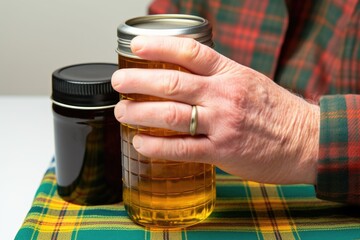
x=247, y=124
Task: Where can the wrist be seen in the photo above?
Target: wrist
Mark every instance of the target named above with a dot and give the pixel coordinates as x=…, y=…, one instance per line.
x=307, y=166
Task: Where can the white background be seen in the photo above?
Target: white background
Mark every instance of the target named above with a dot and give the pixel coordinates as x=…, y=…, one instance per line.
x=26, y=149
x=37, y=37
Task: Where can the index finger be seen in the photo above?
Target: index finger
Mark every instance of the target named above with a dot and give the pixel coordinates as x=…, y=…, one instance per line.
x=186, y=52
x=168, y=84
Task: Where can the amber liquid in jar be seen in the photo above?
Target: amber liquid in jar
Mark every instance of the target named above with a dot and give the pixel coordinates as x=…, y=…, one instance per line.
x=161, y=193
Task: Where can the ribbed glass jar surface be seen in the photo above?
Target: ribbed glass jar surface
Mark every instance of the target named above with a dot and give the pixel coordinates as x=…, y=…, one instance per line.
x=159, y=193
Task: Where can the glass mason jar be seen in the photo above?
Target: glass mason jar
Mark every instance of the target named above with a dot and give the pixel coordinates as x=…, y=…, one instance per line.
x=87, y=134
x=159, y=193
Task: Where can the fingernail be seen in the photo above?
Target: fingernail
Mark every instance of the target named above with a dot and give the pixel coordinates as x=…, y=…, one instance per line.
x=120, y=109
x=137, y=44
x=116, y=79
x=137, y=142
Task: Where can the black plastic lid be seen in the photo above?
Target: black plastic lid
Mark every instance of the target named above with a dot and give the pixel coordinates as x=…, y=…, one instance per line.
x=84, y=85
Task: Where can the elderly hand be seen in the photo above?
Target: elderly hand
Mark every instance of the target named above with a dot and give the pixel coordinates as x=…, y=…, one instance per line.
x=247, y=125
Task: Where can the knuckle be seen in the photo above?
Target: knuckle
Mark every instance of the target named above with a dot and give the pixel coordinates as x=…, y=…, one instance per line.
x=237, y=109
x=172, y=84
x=182, y=150
x=191, y=49
x=238, y=101
x=172, y=116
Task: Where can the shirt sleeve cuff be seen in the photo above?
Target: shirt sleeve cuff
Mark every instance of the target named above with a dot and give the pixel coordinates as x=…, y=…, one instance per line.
x=338, y=176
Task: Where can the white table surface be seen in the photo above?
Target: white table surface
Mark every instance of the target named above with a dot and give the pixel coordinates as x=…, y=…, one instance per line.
x=26, y=149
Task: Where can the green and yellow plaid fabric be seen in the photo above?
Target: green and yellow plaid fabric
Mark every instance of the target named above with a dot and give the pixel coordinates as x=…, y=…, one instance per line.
x=244, y=210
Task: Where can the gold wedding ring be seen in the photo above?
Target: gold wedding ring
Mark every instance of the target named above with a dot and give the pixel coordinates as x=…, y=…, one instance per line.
x=193, y=121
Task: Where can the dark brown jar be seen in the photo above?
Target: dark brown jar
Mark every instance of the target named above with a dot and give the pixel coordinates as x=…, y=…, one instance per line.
x=87, y=135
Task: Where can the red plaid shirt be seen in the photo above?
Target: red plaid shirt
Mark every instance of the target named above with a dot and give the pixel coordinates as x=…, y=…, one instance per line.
x=309, y=47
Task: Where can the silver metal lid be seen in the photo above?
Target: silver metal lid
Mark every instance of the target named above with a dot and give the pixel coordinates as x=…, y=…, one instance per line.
x=163, y=25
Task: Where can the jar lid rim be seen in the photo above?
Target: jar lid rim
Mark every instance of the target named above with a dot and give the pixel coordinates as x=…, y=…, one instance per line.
x=86, y=85
x=182, y=25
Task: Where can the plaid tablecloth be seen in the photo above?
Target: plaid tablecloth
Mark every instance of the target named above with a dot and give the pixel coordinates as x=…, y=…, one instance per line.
x=244, y=210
